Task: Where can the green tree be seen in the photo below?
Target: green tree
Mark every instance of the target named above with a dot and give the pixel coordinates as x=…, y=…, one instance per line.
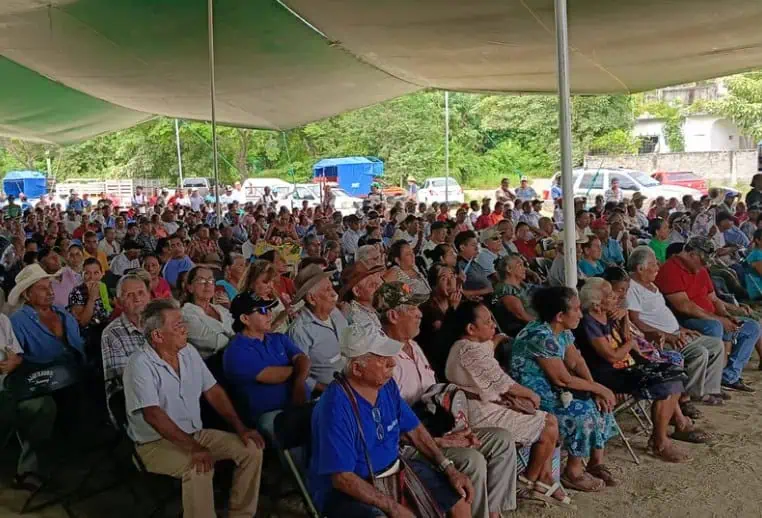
x=742, y=105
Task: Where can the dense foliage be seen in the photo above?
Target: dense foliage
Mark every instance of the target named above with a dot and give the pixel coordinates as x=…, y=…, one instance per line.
x=491, y=136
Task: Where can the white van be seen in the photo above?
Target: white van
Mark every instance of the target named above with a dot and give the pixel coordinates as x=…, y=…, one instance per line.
x=254, y=188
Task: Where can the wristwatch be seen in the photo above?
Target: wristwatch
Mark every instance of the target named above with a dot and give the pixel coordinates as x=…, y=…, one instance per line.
x=446, y=463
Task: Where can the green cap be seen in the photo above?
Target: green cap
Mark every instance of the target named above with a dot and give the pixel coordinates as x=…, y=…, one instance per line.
x=394, y=294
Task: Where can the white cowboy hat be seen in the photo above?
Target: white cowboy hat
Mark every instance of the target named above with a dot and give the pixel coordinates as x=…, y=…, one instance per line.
x=25, y=280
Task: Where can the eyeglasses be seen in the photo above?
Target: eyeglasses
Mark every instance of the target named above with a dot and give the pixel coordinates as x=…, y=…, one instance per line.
x=261, y=311
x=379, y=425
x=203, y=281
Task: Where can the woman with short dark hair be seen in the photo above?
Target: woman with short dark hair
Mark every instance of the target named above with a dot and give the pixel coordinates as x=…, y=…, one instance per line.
x=545, y=359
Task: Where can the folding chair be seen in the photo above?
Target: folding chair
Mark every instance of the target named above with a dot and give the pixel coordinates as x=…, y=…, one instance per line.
x=292, y=429
x=635, y=406
x=116, y=404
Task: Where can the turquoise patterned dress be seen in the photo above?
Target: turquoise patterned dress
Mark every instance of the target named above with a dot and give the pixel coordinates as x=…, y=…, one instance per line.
x=581, y=425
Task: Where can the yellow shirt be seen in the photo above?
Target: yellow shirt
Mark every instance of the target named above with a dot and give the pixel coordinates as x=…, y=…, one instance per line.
x=101, y=256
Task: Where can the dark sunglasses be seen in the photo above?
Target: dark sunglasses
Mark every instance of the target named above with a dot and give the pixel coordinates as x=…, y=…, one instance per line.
x=261, y=311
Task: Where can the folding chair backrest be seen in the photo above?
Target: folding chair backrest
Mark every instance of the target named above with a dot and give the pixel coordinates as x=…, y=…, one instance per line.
x=293, y=426
x=117, y=405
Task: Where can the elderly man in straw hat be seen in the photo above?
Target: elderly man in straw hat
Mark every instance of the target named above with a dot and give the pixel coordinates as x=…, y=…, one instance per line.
x=317, y=328
x=163, y=383
x=46, y=333
x=365, y=398
x=359, y=282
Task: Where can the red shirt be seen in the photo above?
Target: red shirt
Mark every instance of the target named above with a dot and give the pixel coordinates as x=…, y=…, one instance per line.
x=496, y=218
x=442, y=217
x=674, y=277
x=483, y=222
x=527, y=248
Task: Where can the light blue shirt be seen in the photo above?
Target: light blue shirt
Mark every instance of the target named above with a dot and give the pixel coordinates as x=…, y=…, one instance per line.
x=38, y=343
x=734, y=236
x=150, y=381
x=526, y=194
x=174, y=267
x=320, y=341
x=612, y=253
x=486, y=259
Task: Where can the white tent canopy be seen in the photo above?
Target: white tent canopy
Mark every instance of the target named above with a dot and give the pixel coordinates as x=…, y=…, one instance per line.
x=72, y=69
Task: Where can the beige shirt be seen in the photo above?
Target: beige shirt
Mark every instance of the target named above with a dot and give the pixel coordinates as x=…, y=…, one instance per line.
x=473, y=367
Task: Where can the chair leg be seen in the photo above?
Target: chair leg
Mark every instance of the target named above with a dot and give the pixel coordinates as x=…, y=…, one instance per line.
x=626, y=443
x=642, y=405
x=302, y=489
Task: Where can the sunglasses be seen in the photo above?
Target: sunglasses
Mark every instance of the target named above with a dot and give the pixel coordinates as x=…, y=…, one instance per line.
x=261, y=311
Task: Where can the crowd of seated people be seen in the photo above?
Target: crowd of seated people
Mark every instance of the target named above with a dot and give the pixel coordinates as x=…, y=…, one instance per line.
x=437, y=346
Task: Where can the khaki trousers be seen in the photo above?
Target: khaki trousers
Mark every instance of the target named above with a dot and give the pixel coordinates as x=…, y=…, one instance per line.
x=165, y=458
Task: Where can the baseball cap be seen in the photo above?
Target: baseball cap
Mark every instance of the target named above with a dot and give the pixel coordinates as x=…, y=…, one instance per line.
x=357, y=340
x=247, y=303
x=489, y=234
x=392, y=295
x=701, y=244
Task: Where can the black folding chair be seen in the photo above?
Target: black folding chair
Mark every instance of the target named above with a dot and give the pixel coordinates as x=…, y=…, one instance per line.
x=118, y=409
x=293, y=428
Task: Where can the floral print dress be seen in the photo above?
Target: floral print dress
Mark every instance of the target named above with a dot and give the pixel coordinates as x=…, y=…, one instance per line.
x=582, y=427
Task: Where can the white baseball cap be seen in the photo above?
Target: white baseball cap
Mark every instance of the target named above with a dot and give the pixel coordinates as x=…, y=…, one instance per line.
x=357, y=340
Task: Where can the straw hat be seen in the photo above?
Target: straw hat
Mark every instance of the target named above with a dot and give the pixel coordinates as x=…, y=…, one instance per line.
x=306, y=279
x=353, y=274
x=25, y=279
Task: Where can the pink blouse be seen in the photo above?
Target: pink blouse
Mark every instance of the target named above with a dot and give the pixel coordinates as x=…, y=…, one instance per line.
x=473, y=367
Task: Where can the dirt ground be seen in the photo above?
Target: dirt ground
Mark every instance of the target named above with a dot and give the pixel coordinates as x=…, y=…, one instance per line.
x=723, y=479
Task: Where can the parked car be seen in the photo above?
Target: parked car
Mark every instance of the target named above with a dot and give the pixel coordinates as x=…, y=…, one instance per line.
x=592, y=182
x=433, y=190
x=684, y=178
x=202, y=184
x=344, y=201
x=254, y=188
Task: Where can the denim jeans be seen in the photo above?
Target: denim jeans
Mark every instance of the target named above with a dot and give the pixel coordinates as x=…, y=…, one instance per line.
x=743, y=342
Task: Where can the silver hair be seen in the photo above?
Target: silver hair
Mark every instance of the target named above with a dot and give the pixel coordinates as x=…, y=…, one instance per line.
x=125, y=278
x=362, y=360
x=363, y=252
x=153, y=315
x=639, y=257
x=591, y=293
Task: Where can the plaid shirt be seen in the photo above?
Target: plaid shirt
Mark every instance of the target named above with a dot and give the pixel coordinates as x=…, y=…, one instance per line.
x=119, y=340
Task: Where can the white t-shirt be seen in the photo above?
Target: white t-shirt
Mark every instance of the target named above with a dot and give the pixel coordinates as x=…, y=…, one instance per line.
x=652, y=308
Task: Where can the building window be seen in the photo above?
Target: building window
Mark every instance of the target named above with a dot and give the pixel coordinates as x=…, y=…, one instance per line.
x=648, y=144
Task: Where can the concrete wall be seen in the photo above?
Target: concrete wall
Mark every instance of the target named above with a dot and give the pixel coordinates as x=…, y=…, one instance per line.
x=728, y=167
x=709, y=133
x=652, y=128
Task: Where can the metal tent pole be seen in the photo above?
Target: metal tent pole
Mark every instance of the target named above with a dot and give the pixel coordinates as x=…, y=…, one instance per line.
x=564, y=126
x=212, y=93
x=179, y=153
x=447, y=148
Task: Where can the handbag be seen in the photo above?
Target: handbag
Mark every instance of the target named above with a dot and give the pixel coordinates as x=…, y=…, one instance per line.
x=403, y=486
x=518, y=404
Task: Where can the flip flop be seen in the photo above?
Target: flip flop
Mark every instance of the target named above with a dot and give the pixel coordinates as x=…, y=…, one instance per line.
x=593, y=484
x=690, y=410
x=694, y=436
x=602, y=472
x=669, y=454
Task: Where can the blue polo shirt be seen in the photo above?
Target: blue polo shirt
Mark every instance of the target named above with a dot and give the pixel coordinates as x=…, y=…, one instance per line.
x=336, y=444
x=174, y=267
x=38, y=343
x=244, y=358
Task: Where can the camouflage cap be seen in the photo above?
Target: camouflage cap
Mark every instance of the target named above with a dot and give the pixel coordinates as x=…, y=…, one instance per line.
x=391, y=295
x=701, y=244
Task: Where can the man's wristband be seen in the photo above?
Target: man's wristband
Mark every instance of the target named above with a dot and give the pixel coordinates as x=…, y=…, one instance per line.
x=446, y=463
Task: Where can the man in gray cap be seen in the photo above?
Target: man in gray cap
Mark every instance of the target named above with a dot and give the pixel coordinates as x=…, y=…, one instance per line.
x=317, y=328
x=486, y=455
x=366, y=399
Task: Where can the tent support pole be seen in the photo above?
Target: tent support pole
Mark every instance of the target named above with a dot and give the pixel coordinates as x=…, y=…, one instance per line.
x=179, y=153
x=447, y=148
x=212, y=93
x=564, y=126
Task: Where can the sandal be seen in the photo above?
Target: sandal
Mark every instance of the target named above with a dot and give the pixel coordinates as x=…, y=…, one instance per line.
x=548, y=492
x=670, y=453
x=694, y=436
x=586, y=483
x=602, y=472
x=711, y=400
x=690, y=410
x=528, y=496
